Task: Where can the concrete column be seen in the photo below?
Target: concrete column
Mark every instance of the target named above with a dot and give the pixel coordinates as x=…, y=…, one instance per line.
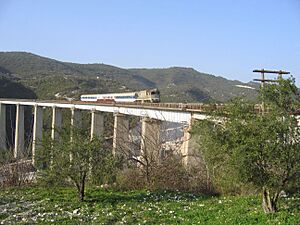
x=97, y=124
x=76, y=121
x=189, y=148
x=55, y=128
x=56, y=122
x=151, y=142
x=76, y=118
x=37, y=135
x=19, y=132
x=2, y=127
x=121, y=134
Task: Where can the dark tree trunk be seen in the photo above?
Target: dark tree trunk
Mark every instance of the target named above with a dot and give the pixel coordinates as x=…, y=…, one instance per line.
x=81, y=187
x=81, y=194
x=269, y=203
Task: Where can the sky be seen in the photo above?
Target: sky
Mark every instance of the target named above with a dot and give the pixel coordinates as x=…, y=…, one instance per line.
x=226, y=38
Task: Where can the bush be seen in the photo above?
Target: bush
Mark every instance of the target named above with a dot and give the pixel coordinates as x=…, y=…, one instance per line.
x=130, y=179
x=18, y=173
x=167, y=175
x=15, y=172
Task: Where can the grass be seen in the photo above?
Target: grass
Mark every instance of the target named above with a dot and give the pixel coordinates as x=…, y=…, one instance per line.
x=60, y=206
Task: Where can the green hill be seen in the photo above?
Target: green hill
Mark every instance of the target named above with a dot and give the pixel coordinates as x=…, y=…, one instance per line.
x=10, y=88
x=51, y=79
x=181, y=83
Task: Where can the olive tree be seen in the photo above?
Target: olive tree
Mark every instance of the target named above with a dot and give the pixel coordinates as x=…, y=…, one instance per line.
x=261, y=148
x=73, y=161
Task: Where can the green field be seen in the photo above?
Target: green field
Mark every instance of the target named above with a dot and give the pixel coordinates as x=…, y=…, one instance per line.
x=60, y=206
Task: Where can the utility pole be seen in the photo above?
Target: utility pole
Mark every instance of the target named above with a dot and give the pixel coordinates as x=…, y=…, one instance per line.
x=263, y=71
x=263, y=80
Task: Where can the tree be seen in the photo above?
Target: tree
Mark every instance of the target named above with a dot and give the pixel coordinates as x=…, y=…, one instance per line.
x=73, y=161
x=259, y=148
x=154, y=160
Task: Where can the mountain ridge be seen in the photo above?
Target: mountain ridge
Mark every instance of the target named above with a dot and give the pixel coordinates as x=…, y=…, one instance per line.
x=47, y=77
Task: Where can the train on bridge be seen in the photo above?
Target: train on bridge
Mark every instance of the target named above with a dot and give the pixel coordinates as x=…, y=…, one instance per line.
x=149, y=95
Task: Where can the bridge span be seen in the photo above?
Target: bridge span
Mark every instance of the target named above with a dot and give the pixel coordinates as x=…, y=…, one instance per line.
x=152, y=115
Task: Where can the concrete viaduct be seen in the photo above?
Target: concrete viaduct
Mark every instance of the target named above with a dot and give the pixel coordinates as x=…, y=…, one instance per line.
x=151, y=113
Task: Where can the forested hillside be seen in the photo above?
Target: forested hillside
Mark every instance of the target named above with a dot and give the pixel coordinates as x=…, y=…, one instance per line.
x=51, y=79
x=183, y=83
x=13, y=89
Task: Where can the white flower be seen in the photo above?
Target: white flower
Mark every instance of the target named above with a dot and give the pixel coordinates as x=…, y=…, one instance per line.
x=76, y=211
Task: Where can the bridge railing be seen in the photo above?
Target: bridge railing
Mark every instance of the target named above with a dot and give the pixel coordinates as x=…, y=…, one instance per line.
x=197, y=107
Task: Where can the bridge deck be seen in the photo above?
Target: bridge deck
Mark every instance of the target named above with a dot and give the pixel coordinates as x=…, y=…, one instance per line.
x=172, y=112
x=193, y=107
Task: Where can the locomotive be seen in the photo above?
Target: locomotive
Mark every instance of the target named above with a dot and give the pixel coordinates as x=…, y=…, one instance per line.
x=149, y=95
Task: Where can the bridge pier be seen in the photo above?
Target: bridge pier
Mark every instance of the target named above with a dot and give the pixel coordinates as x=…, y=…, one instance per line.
x=19, y=132
x=56, y=122
x=2, y=127
x=190, y=148
x=97, y=124
x=37, y=135
x=151, y=143
x=76, y=121
x=121, y=134
x=76, y=118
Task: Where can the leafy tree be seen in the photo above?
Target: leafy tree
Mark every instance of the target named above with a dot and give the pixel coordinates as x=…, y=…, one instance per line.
x=64, y=162
x=258, y=148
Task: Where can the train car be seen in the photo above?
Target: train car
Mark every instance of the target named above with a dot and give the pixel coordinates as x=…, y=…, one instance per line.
x=151, y=95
